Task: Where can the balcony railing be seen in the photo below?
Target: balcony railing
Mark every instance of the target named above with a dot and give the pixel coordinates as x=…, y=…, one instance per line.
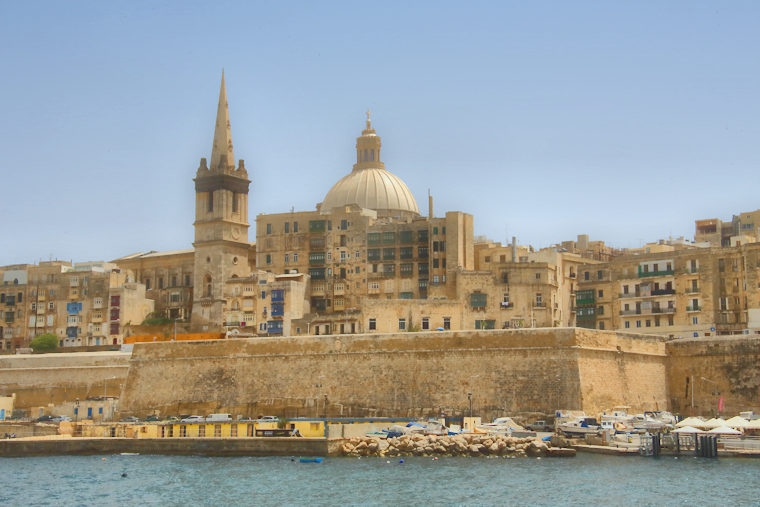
x=667, y=272
x=663, y=292
x=693, y=308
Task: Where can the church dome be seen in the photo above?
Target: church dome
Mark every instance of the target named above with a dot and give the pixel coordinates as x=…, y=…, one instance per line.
x=370, y=185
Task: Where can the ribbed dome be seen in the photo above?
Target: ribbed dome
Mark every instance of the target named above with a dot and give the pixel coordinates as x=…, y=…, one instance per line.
x=372, y=188
x=369, y=185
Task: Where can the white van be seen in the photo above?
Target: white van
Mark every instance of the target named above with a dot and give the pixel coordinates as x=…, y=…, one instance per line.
x=219, y=417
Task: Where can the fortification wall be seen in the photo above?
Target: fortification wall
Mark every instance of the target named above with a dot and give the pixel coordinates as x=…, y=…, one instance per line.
x=43, y=379
x=405, y=374
x=703, y=371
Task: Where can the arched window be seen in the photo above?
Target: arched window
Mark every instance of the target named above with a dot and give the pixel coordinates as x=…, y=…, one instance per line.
x=207, y=283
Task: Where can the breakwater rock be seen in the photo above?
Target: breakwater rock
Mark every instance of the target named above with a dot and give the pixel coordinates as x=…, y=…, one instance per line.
x=451, y=445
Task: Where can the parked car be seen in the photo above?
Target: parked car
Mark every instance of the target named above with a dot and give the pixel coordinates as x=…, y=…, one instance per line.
x=219, y=417
x=268, y=418
x=44, y=418
x=152, y=418
x=130, y=419
x=539, y=426
x=193, y=419
x=61, y=418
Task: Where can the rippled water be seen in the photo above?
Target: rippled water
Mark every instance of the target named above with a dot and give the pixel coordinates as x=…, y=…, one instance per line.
x=196, y=480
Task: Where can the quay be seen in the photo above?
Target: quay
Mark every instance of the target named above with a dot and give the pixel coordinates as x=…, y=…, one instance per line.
x=73, y=446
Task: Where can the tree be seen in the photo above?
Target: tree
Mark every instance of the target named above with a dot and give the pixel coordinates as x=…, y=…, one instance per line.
x=44, y=343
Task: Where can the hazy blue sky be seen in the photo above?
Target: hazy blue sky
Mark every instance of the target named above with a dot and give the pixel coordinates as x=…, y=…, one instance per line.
x=623, y=120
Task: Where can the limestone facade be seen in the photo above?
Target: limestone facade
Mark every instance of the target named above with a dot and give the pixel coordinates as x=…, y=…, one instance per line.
x=690, y=292
x=83, y=304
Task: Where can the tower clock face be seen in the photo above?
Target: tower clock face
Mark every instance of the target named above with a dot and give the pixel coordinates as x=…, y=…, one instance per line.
x=236, y=232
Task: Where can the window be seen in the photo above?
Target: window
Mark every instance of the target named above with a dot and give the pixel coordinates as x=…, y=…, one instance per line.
x=295, y=226
x=425, y=323
x=343, y=224
x=478, y=300
x=317, y=225
x=269, y=228
x=402, y=324
x=447, y=323
x=485, y=324
x=599, y=275
x=695, y=321
x=600, y=293
x=638, y=323
x=210, y=202
x=372, y=324
x=585, y=275
x=627, y=324
x=601, y=326
x=160, y=282
x=389, y=237
x=538, y=276
x=287, y=227
x=625, y=289
x=539, y=300
x=147, y=284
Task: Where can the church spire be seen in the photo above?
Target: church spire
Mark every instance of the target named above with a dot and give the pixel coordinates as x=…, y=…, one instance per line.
x=222, y=154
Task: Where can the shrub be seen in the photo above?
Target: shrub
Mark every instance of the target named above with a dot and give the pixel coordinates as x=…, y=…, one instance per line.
x=44, y=343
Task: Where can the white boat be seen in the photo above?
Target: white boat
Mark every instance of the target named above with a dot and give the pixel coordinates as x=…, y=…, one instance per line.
x=653, y=421
x=505, y=426
x=579, y=427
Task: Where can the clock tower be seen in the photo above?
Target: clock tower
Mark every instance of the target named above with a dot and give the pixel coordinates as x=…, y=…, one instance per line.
x=221, y=224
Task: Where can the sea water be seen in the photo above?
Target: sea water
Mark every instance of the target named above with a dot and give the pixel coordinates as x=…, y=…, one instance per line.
x=197, y=480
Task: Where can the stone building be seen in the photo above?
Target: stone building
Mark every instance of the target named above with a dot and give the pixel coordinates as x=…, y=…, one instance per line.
x=689, y=292
x=367, y=242
x=366, y=260
x=83, y=304
x=742, y=229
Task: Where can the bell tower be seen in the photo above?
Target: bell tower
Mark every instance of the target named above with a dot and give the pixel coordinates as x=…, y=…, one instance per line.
x=221, y=224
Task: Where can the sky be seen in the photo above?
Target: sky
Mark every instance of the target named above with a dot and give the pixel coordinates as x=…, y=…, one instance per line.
x=625, y=121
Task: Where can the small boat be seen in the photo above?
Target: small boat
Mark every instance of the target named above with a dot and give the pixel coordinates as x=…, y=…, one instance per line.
x=505, y=426
x=579, y=427
x=310, y=460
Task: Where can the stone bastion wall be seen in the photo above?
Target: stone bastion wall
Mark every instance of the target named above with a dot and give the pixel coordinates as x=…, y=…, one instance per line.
x=40, y=380
x=490, y=373
x=714, y=376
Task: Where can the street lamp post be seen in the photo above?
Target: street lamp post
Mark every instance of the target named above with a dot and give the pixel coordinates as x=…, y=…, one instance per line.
x=469, y=397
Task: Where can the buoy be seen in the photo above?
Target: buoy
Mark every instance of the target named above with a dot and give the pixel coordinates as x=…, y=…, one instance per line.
x=401, y=461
